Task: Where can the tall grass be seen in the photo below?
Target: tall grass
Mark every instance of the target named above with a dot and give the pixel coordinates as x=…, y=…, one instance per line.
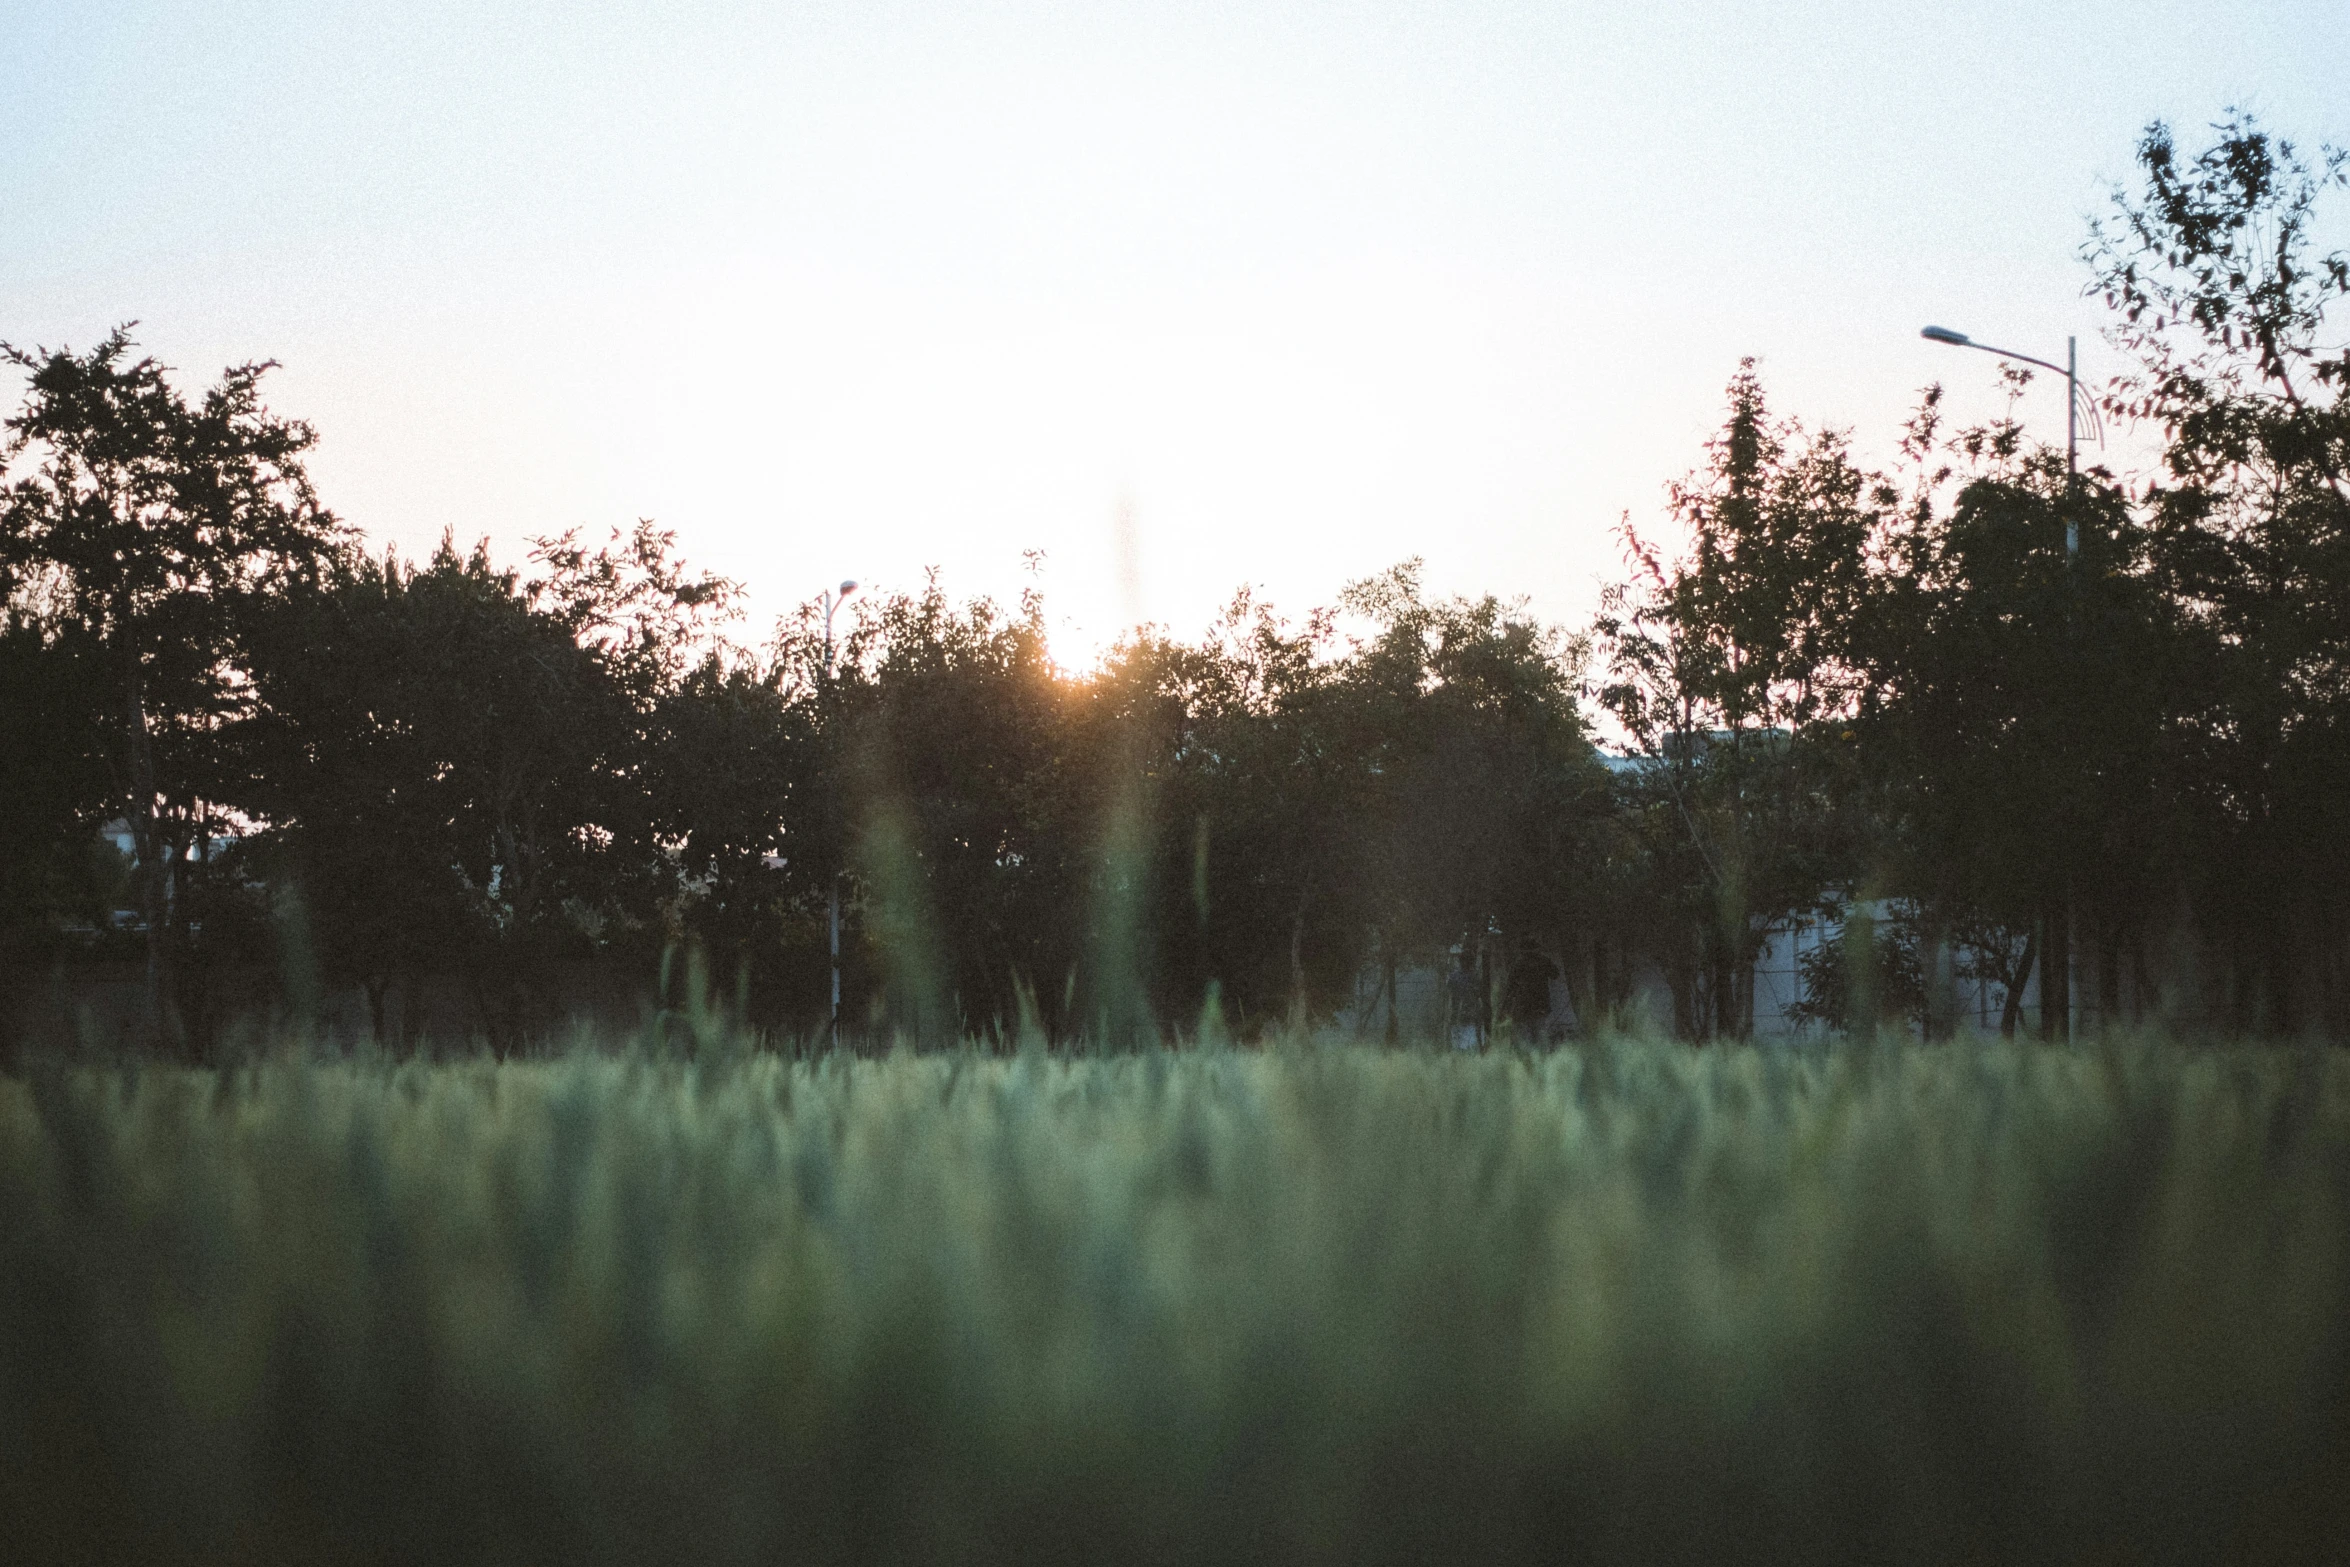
x=1311, y=1304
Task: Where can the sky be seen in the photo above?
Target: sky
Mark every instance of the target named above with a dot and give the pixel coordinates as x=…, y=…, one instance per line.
x=1185, y=296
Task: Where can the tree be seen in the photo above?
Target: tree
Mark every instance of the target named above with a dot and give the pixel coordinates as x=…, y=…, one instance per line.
x=459, y=770
x=730, y=763
x=1250, y=744
x=2011, y=723
x=53, y=793
x=2234, y=321
x=1481, y=791
x=147, y=527
x=949, y=774
x=1730, y=668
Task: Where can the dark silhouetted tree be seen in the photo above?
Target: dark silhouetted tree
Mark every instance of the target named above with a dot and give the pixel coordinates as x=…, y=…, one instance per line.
x=146, y=527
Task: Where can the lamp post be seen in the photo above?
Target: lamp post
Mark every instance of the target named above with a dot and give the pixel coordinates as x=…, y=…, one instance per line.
x=832, y=602
x=2075, y=408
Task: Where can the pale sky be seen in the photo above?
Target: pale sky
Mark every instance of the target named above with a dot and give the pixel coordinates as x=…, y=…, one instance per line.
x=852, y=290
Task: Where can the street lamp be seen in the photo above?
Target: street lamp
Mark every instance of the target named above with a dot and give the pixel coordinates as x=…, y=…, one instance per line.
x=832, y=602
x=2077, y=410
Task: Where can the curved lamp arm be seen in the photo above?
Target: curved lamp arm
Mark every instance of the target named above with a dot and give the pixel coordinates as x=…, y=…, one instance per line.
x=2083, y=410
x=1943, y=334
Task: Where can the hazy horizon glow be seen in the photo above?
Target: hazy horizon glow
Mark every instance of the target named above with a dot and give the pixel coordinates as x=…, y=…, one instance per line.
x=837, y=291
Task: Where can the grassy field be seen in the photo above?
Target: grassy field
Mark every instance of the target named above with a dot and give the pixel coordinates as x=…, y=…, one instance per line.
x=1322, y=1303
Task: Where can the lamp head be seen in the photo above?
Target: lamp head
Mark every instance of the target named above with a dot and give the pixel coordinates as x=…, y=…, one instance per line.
x=1943, y=334
x=847, y=588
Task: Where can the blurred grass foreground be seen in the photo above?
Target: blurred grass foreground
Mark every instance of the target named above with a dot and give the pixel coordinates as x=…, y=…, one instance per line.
x=1318, y=1303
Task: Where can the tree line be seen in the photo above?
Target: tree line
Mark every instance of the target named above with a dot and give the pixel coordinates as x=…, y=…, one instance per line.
x=2005, y=719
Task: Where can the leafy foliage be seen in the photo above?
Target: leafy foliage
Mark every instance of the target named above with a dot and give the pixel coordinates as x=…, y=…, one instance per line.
x=139, y=530
x=2237, y=326
x=1732, y=670
x=2079, y=728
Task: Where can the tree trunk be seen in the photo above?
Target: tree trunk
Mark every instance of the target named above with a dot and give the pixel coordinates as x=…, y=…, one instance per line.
x=1725, y=998
x=377, y=985
x=2011, y=1010
x=1394, y=1028
x=1941, y=1000
x=154, y=897
x=1297, y=967
x=2109, y=977
x=2055, y=969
